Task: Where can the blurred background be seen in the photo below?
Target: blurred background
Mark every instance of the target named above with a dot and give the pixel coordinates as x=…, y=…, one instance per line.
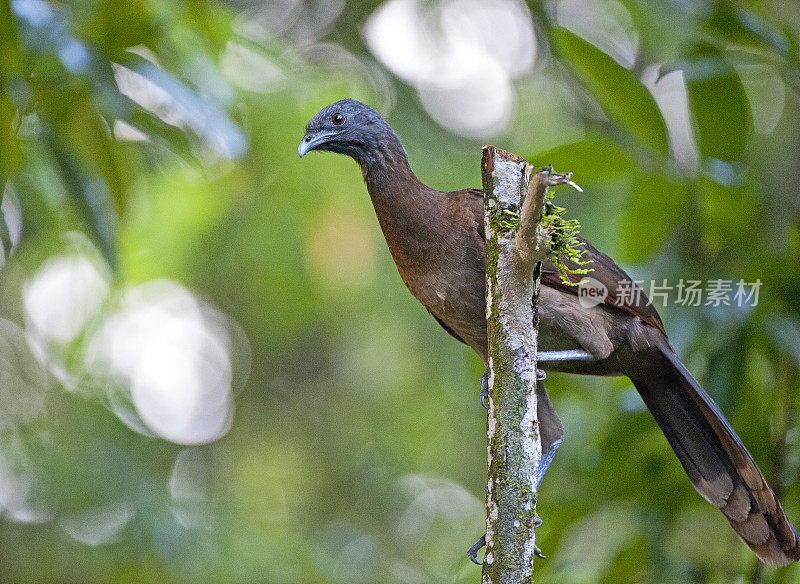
x=210, y=370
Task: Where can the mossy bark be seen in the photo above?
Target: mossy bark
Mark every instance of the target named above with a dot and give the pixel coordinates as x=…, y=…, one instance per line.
x=514, y=445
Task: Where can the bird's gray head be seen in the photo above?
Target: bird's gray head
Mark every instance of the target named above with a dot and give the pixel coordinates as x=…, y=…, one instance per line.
x=352, y=128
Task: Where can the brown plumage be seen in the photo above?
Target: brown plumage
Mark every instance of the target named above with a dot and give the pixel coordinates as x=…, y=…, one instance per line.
x=437, y=241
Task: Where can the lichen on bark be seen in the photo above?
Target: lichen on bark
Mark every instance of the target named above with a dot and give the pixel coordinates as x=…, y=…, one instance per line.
x=514, y=445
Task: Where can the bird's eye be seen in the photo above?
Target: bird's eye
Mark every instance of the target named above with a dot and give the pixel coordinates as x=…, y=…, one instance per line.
x=337, y=119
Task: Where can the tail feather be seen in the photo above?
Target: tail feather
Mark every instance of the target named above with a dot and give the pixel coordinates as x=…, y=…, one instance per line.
x=718, y=464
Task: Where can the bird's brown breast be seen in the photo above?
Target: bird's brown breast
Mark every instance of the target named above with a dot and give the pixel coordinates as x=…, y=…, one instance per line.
x=447, y=274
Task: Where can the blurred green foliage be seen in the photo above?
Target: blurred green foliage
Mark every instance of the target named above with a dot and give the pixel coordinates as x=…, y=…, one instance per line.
x=157, y=140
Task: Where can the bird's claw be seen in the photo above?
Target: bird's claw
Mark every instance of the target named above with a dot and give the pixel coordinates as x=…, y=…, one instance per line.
x=485, y=389
x=472, y=553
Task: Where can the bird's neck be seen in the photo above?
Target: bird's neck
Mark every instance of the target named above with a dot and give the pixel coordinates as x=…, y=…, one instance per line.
x=407, y=209
x=388, y=176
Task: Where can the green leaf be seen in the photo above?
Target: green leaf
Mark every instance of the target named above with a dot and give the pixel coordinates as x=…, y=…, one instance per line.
x=114, y=26
x=726, y=371
x=619, y=92
x=92, y=200
x=718, y=103
x=726, y=210
x=595, y=157
x=155, y=127
x=654, y=208
x=741, y=27
x=783, y=332
x=5, y=236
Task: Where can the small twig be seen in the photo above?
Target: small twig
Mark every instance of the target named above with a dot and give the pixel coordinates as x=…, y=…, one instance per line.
x=531, y=240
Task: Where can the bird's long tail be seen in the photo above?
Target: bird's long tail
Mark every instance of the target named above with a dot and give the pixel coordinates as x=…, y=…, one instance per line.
x=715, y=459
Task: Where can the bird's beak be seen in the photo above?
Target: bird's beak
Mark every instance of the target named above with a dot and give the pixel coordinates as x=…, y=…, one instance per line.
x=311, y=141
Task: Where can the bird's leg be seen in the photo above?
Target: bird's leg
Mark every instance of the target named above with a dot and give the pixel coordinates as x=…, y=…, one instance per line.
x=570, y=355
x=545, y=356
x=551, y=430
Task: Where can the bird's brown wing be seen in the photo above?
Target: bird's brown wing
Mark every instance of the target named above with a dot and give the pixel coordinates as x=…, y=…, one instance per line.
x=474, y=198
x=450, y=331
x=622, y=292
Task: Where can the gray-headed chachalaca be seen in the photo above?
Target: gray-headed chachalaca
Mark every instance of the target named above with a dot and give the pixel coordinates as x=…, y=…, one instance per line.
x=437, y=241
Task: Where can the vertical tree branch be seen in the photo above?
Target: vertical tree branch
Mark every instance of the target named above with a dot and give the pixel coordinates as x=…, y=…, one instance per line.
x=515, y=244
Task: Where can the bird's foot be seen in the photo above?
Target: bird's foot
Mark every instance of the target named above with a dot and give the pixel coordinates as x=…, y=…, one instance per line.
x=472, y=553
x=537, y=523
